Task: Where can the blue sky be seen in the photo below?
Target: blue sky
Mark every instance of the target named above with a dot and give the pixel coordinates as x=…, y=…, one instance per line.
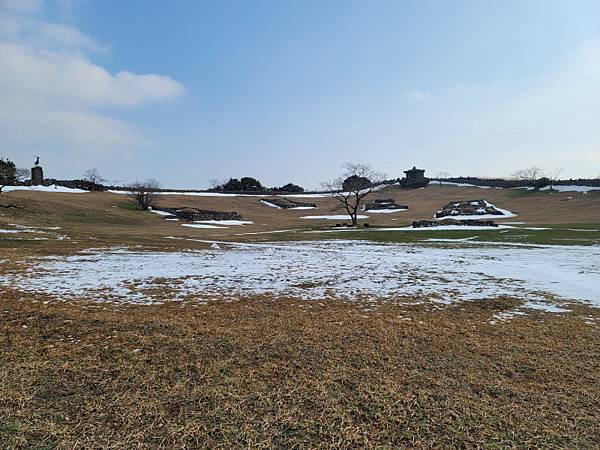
x=188, y=91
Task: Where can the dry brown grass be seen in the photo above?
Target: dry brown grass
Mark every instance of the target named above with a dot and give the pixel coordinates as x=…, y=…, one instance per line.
x=285, y=374
x=100, y=219
x=280, y=373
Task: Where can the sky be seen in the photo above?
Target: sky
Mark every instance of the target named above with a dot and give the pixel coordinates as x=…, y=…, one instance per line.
x=288, y=91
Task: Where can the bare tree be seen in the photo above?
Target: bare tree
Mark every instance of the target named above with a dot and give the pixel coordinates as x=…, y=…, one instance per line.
x=529, y=175
x=93, y=176
x=145, y=193
x=440, y=176
x=215, y=183
x=356, y=182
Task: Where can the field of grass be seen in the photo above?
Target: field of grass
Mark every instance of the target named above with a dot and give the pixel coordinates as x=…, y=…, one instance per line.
x=279, y=373
x=554, y=234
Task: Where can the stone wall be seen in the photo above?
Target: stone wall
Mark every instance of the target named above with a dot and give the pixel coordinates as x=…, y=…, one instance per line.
x=462, y=222
x=286, y=203
x=194, y=214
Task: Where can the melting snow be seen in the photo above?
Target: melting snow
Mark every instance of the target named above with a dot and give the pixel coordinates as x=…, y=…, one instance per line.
x=226, y=222
x=352, y=270
x=51, y=188
x=572, y=188
x=160, y=213
x=335, y=217
x=272, y=205
x=201, y=225
x=385, y=211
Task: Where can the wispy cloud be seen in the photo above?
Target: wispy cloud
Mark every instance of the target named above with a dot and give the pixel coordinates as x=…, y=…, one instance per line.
x=416, y=94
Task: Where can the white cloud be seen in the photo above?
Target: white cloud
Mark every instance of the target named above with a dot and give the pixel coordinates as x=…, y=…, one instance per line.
x=72, y=80
x=416, y=94
x=47, y=35
x=51, y=92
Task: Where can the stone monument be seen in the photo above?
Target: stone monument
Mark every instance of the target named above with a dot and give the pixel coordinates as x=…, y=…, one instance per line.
x=37, y=173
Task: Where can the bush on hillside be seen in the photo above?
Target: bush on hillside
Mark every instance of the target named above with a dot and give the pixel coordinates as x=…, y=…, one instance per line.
x=289, y=188
x=246, y=184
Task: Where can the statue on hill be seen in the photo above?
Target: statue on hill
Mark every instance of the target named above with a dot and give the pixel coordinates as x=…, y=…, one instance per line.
x=37, y=173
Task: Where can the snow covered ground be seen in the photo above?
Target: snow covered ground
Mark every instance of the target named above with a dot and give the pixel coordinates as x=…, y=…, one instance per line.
x=385, y=211
x=449, y=183
x=572, y=188
x=334, y=217
x=51, y=188
x=545, y=276
x=46, y=233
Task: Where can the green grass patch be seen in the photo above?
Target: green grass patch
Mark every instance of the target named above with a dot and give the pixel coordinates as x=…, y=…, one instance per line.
x=579, y=234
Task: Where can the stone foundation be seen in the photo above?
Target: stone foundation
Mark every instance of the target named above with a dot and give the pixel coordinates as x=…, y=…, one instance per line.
x=195, y=214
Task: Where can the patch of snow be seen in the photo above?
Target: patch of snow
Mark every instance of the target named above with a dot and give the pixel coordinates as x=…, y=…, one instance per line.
x=225, y=222
x=547, y=307
x=272, y=205
x=51, y=188
x=506, y=315
x=351, y=270
x=448, y=183
x=447, y=228
x=385, y=211
x=572, y=188
x=201, y=225
x=160, y=213
x=335, y=217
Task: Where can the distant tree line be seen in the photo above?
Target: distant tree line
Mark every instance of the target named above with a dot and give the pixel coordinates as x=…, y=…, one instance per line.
x=250, y=184
x=532, y=177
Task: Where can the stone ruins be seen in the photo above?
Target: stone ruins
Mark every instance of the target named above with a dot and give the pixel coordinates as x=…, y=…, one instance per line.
x=468, y=208
x=195, y=214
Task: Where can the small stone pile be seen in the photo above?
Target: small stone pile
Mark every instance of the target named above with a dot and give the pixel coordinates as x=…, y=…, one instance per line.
x=468, y=208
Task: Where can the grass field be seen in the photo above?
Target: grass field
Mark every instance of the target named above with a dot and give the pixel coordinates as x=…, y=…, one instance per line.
x=264, y=371
x=274, y=373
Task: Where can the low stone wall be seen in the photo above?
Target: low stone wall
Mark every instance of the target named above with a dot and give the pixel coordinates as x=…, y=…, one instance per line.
x=384, y=203
x=462, y=222
x=194, y=214
x=286, y=203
